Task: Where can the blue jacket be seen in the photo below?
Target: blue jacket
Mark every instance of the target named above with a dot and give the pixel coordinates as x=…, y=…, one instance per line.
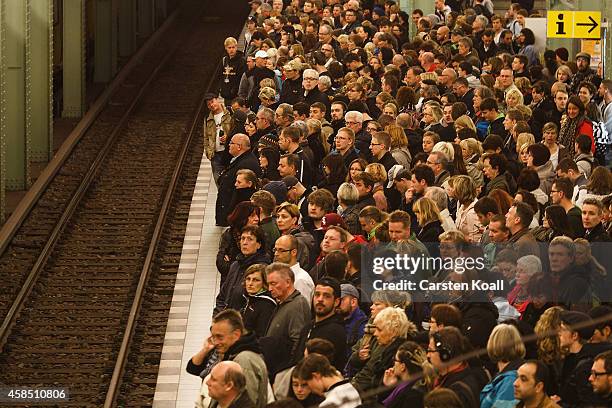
x=499, y=392
x=354, y=327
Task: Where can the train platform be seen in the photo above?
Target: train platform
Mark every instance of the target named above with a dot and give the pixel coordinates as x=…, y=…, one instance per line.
x=197, y=285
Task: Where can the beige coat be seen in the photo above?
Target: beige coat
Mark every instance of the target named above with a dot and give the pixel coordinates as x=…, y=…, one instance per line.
x=210, y=131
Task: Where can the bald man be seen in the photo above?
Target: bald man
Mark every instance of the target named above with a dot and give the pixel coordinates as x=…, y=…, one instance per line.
x=241, y=158
x=226, y=385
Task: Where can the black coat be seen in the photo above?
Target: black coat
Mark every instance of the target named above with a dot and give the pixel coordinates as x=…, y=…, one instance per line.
x=467, y=384
x=292, y=91
x=597, y=234
x=362, y=143
x=479, y=319
x=349, y=157
x=315, y=95
x=429, y=236
x=387, y=160
x=256, y=311
x=230, y=293
x=227, y=179
x=331, y=329
x=233, y=68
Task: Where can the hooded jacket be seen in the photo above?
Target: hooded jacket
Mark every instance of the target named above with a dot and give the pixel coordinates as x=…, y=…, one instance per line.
x=256, y=312
x=247, y=353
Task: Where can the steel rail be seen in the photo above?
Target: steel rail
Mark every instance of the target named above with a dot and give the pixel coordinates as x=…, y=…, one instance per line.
x=68, y=212
x=25, y=206
x=118, y=371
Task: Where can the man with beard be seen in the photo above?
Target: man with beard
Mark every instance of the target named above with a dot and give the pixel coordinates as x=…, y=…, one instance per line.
x=327, y=324
x=601, y=377
x=338, y=108
x=584, y=74
x=354, y=318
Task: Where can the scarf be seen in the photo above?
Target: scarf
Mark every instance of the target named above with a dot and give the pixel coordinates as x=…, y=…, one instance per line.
x=567, y=134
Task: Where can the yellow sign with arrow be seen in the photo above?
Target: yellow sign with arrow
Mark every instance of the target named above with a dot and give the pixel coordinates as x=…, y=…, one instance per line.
x=573, y=24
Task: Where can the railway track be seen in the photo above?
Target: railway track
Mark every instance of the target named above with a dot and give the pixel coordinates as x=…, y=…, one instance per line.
x=88, y=278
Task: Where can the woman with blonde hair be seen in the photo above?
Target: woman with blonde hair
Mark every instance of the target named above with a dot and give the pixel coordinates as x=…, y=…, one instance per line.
x=505, y=348
x=399, y=144
x=548, y=344
x=563, y=74
x=432, y=115
x=390, y=109
x=464, y=121
x=428, y=218
x=514, y=98
x=472, y=150
x=466, y=221
x=379, y=174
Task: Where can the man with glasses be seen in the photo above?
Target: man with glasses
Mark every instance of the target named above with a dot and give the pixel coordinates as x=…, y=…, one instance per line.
x=344, y=144
x=286, y=251
x=312, y=94
x=354, y=121
x=574, y=333
x=292, y=91
x=437, y=161
x=264, y=123
x=241, y=158
x=601, y=377
x=350, y=22
x=379, y=146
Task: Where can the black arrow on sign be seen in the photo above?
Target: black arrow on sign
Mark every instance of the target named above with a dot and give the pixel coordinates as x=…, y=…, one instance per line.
x=593, y=24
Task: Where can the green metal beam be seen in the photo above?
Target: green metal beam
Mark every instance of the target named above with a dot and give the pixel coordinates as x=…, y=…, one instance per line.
x=74, y=38
x=3, y=102
x=39, y=82
x=15, y=145
x=105, y=58
x=146, y=18
x=127, y=27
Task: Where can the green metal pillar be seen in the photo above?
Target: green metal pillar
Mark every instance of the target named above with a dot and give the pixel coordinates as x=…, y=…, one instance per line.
x=161, y=12
x=127, y=27
x=3, y=102
x=606, y=13
x=14, y=94
x=39, y=82
x=146, y=18
x=105, y=58
x=74, y=58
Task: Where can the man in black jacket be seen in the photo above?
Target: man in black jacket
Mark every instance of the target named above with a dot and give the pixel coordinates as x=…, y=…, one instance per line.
x=575, y=331
x=327, y=324
x=292, y=91
x=312, y=94
x=242, y=158
x=234, y=65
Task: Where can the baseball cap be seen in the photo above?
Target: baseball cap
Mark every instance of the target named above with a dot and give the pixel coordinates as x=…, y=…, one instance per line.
x=346, y=289
x=261, y=54
x=393, y=172
x=290, y=181
x=278, y=190
x=330, y=219
x=293, y=65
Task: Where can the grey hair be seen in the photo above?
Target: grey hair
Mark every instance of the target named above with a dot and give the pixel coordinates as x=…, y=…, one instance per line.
x=438, y=196
x=531, y=264
x=300, y=124
x=355, y=115
x=310, y=72
x=325, y=81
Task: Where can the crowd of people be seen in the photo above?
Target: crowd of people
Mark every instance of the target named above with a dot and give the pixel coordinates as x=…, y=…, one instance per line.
x=349, y=135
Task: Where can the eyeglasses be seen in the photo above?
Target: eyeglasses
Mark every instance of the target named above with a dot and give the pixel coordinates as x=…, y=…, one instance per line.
x=431, y=350
x=281, y=250
x=376, y=144
x=351, y=123
x=596, y=374
x=431, y=163
x=310, y=79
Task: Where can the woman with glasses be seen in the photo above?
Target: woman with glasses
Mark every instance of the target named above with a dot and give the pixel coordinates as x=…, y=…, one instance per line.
x=356, y=166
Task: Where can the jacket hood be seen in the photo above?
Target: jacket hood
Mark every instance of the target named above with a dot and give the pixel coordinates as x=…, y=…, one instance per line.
x=248, y=342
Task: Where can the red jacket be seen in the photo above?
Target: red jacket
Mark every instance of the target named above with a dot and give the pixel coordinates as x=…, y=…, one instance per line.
x=586, y=128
